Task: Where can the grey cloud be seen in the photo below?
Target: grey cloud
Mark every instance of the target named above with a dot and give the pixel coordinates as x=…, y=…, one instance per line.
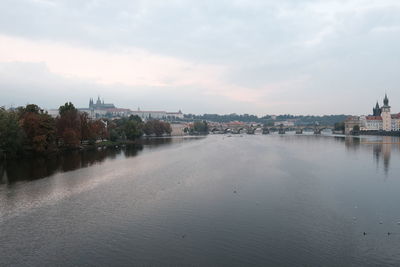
x=341, y=45
x=23, y=82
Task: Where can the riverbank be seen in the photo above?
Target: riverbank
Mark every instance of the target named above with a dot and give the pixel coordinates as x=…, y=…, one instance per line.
x=381, y=133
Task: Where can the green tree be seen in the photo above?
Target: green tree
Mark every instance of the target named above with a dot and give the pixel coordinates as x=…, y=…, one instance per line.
x=157, y=128
x=132, y=129
x=135, y=118
x=68, y=106
x=356, y=130
x=200, y=127
x=11, y=134
x=339, y=126
x=114, y=136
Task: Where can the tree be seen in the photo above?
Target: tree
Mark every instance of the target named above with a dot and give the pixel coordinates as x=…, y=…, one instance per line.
x=69, y=121
x=339, y=126
x=135, y=118
x=132, y=129
x=114, y=136
x=125, y=128
x=39, y=129
x=200, y=127
x=86, y=129
x=157, y=128
x=99, y=129
x=11, y=134
x=356, y=129
x=66, y=107
x=70, y=138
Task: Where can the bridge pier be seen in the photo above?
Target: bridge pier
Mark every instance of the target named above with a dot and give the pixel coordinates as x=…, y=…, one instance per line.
x=265, y=131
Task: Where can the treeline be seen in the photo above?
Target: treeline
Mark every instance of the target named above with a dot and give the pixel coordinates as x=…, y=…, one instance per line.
x=197, y=128
x=30, y=129
x=268, y=119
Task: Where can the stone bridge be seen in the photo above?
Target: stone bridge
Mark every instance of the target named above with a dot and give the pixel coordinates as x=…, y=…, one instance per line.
x=253, y=128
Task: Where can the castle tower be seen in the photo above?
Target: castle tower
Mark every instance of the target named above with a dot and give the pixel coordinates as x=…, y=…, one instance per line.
x=386, y=116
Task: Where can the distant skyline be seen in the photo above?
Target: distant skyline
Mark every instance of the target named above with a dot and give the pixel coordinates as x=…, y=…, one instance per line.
x=258, y=57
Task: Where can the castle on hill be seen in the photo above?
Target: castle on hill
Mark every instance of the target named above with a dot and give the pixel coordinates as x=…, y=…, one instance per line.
x=100, y=109
x=99, y=104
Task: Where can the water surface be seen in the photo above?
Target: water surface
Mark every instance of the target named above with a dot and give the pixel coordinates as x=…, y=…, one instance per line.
x=215, y=201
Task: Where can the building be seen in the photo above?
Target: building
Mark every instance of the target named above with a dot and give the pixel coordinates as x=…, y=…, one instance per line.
x=350, y=123
x=175, y=115
x=99, y=104
x=150, y=114
x=99, y=109
x=371, y=123
x=380, y=120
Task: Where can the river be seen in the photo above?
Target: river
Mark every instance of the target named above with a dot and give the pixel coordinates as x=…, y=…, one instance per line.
x=255, y=200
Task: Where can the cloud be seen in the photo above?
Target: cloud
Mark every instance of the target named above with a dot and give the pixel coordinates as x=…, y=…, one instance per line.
x=252, y=56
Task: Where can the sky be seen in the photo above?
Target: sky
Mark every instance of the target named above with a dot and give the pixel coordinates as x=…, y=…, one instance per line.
x=210, y=56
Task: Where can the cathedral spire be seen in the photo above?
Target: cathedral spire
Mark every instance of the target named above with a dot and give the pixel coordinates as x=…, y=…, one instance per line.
x=376, y=111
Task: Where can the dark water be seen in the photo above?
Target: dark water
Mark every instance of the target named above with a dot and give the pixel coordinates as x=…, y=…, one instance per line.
x=216, y=201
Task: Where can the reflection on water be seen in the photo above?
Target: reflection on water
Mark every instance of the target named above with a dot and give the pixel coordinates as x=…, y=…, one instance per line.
x=251, y=201
x=36, y=168
x=380, y=146
x=27, y=169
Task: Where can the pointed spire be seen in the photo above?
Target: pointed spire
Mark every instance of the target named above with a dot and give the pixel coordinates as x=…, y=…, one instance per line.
x=386, y=100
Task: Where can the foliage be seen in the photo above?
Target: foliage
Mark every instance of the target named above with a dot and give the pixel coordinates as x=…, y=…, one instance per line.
x=92, y=130
x=30, y=128
x=157, y=128
x=356, y=130
x=132, y=129
x=126, y=128
x=199, y=127
x=39, y=129
x=69, y=126
x=11, y=134
x=339, y=126
x=114, y=136
x=66, y=107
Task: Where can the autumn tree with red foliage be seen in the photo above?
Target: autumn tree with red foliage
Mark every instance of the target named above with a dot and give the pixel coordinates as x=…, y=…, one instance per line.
x=69, y=125
x=39, y=129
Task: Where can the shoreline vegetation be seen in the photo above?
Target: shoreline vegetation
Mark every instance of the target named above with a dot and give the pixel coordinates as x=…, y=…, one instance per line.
x=30, y=131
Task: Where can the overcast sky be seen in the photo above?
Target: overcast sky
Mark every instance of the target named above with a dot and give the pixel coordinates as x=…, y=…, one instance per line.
x=243, y=56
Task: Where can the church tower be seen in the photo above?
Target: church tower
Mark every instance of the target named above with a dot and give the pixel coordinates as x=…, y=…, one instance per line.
x=91, y=103
x=98, y=102
x=386, y=116
x=376, y=111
